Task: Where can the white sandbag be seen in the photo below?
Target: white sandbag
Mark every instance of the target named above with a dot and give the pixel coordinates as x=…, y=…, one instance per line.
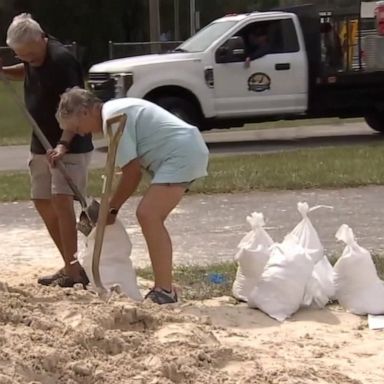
x=253, y=254
x=324, y=275
x=314, y=295
x=358, y=287
x=280, y=290
x=320, y=287
x=115, y=263
x=306, y=235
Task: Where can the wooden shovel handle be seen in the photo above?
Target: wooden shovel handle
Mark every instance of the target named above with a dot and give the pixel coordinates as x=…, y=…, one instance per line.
x=113, y=143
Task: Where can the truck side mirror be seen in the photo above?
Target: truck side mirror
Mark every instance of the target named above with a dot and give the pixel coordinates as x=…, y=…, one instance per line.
x=232, y=51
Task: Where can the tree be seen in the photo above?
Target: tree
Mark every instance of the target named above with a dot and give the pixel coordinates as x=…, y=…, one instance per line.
x=6, y=10
x=92, y=23
x=214, y=9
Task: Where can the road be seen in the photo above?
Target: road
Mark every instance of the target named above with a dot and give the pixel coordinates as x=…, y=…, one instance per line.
x=283, y=139
x=237, y=141
x=206, y=229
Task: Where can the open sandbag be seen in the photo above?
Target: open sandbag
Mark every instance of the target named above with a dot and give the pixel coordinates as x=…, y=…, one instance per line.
x=115, y=262
x=252, y=256
x=358, y=287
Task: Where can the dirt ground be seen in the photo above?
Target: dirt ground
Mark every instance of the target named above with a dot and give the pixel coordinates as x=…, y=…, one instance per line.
x=54, y=336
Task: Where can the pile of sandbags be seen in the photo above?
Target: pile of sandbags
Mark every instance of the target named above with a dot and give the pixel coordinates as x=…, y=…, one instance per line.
x=289, y=279
x=279, y=278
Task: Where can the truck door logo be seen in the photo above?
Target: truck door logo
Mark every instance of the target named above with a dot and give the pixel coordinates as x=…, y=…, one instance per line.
x=259, y=82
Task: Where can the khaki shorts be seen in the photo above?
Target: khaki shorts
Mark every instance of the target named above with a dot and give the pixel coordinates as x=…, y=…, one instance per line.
x=47, y=181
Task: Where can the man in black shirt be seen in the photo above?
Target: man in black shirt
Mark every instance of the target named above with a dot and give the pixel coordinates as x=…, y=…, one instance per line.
x=48, y=69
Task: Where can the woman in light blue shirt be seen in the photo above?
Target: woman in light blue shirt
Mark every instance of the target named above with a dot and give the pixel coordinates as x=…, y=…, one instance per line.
x=172, y=151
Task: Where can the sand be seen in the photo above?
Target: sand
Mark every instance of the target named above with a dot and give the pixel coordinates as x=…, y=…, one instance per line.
x=54, y=336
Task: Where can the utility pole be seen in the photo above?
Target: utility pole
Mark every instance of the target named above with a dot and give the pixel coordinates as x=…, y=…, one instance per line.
x=192, y=6
x=176, y=6
x=154, y=23
x=154, y=19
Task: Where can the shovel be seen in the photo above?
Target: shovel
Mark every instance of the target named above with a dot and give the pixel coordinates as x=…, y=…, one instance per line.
x=113, y=142
x=89, y=212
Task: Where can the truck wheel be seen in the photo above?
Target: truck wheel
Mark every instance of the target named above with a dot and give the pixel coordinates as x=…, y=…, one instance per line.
x=182, y=108
x=375, y=121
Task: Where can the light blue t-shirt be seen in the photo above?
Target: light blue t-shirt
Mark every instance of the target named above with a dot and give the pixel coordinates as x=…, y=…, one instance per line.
x=172, y=150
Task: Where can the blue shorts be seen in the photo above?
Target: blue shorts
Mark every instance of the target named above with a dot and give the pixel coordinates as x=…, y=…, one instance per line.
x=182, y=168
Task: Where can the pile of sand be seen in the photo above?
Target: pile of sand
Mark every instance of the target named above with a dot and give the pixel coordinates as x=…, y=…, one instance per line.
x=71, y=336
x=53, y=336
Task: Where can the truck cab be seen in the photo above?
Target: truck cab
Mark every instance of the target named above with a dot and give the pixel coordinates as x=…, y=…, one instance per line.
x=260, y=66
x=205, y=78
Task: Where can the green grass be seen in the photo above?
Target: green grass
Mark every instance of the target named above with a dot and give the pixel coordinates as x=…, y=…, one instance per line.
x=198, y=282
x=310, y=168
x=201, y=282
x=13, y=126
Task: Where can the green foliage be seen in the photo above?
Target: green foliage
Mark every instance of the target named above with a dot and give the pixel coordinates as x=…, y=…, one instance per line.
x=92, y=23
x=213, y=9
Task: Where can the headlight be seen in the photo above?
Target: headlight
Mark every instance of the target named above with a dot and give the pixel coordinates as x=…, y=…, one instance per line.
x=123, y=81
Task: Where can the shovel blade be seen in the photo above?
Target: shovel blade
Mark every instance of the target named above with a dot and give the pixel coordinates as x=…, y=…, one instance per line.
x=88, y=218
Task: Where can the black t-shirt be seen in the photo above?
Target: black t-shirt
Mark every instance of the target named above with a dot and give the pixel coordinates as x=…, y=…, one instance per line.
x=42, y=89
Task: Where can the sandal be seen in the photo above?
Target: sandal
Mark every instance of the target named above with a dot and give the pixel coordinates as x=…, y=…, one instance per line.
x=48, y=280
x=65, y=281
x=161, y=296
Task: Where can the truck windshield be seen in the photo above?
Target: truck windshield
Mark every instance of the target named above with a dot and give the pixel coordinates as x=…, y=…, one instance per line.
x=204, y=38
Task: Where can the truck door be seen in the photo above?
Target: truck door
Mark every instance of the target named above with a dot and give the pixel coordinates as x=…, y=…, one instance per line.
x=273, y=80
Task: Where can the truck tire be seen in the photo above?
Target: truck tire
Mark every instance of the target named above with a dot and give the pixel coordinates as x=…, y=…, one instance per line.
x=182, y=108
x=375, y=121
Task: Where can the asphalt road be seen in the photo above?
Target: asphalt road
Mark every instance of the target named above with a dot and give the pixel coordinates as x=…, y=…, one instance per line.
x=206, y=229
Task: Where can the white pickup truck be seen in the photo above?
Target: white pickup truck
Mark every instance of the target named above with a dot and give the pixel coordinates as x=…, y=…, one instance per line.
x=305, y=73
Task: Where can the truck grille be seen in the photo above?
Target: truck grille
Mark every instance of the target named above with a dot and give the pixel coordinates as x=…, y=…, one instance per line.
x=102, y=85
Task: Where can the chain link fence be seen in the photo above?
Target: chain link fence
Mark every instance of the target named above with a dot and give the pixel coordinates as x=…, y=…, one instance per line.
x=121, y=50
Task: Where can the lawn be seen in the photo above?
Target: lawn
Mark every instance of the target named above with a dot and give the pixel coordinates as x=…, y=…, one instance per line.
x=13, y=126
x=339, y=167
x=205, y=282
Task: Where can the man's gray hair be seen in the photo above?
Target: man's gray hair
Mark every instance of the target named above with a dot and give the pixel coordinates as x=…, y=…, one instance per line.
x=73, y=102
x=23, y=29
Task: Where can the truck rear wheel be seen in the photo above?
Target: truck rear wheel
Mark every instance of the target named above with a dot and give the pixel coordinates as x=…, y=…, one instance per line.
x=375, y=121
x=182, y=108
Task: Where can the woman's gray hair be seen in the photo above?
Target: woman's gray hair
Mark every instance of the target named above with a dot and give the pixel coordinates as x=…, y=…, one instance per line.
x=22, y=30
x=75, y=101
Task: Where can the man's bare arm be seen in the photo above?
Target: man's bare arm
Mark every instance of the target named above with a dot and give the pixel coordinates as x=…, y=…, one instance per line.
x=14, y=72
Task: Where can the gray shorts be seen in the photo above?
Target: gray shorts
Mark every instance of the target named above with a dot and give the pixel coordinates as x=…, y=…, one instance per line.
x=47, y=181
